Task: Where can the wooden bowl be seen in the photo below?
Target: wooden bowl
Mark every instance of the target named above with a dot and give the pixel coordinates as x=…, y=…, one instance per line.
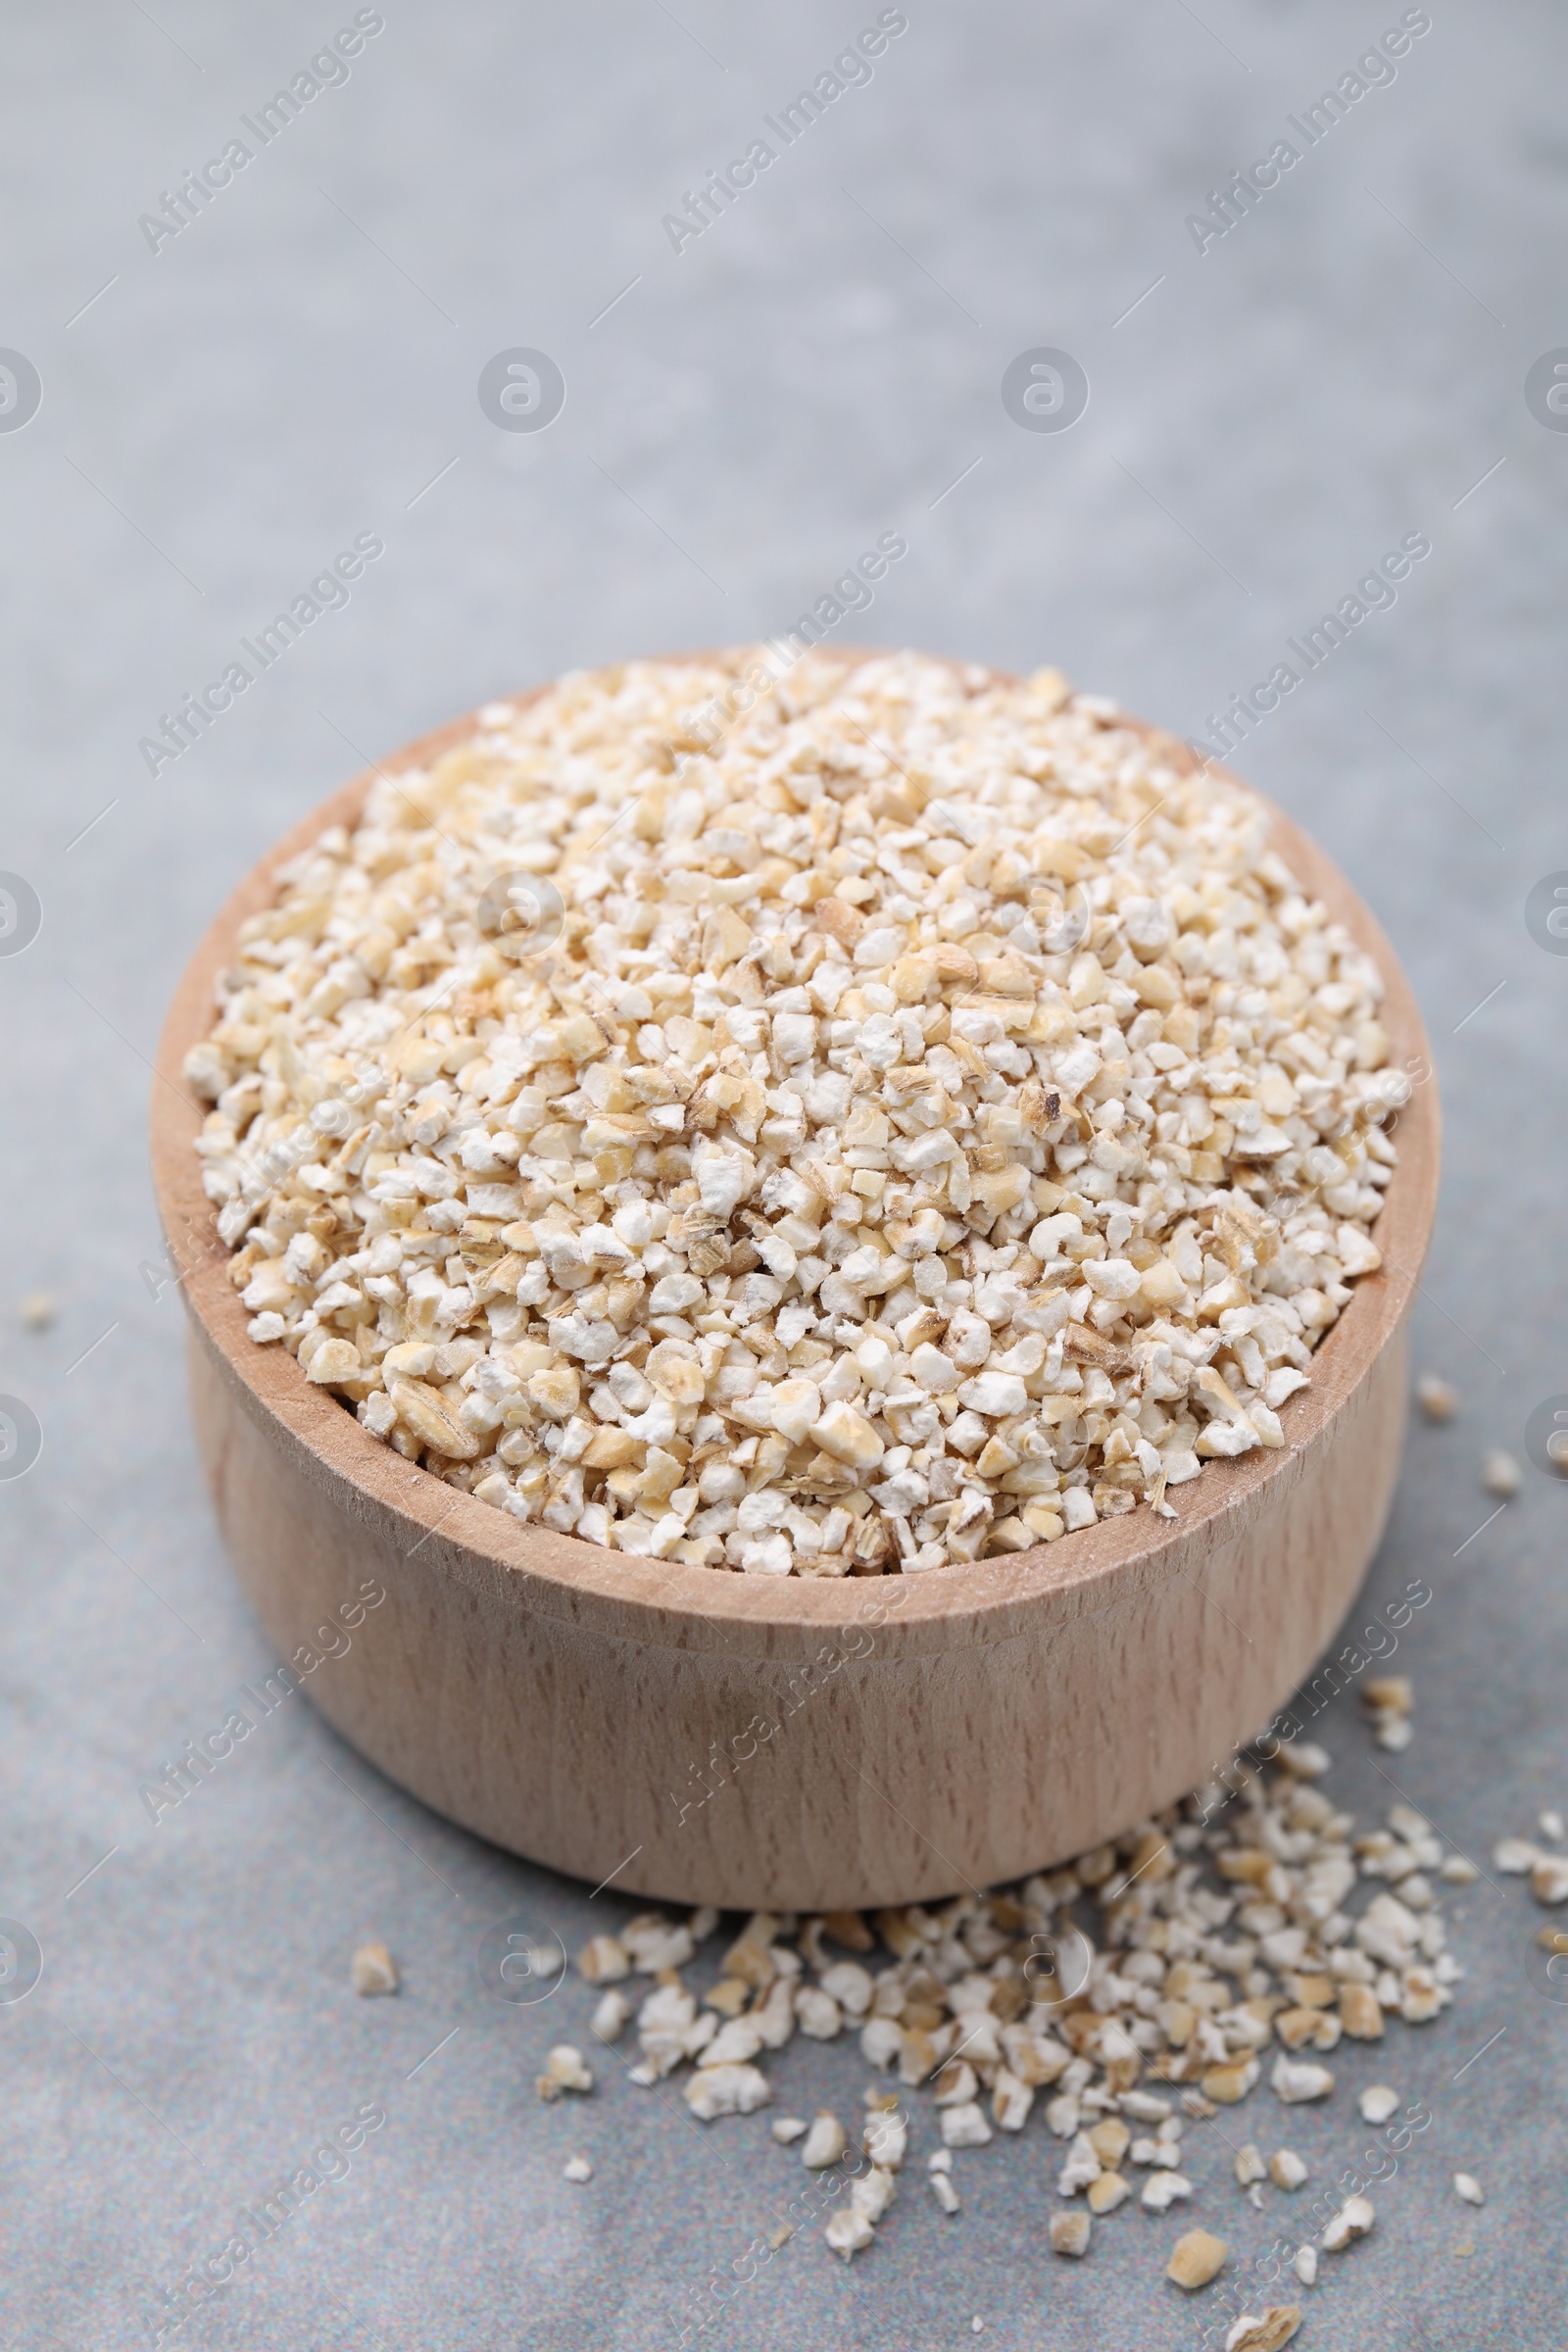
x=788, y=1743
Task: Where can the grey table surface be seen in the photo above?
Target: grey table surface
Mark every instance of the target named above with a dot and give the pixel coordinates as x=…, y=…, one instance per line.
x=298, y=364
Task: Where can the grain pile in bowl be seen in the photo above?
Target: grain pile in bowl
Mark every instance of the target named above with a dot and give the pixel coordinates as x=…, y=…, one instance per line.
x=909, y=1117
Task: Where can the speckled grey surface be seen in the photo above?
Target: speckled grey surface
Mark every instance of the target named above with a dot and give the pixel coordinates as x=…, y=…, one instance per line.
x=821, y=364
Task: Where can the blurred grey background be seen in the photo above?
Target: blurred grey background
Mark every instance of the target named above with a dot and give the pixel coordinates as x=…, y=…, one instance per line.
x=300, y=363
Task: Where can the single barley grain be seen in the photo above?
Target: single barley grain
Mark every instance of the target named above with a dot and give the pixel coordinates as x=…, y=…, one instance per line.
x=374, y=1970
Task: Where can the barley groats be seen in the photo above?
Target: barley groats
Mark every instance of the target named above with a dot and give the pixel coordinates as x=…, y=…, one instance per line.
x=910, y=1121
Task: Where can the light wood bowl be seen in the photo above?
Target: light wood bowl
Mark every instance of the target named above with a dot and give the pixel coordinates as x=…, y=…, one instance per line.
x=605, y=1714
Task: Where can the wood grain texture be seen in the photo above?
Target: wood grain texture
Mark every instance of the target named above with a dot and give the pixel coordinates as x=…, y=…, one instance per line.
x=886, y=1739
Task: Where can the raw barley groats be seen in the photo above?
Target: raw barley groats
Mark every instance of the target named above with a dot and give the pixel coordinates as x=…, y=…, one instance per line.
x=915, y=1123
x=1118, y=2006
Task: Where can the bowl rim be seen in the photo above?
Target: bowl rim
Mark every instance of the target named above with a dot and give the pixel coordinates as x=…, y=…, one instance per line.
x=670, y=1604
